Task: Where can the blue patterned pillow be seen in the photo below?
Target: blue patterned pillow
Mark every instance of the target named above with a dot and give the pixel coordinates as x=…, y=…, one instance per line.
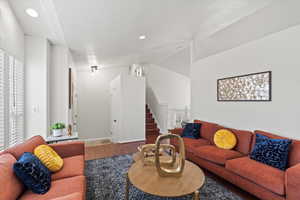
x=272, y=152
x=33, y=174
x=192, y=130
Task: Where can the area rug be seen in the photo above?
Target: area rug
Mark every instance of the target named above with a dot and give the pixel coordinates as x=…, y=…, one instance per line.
x=106, y=180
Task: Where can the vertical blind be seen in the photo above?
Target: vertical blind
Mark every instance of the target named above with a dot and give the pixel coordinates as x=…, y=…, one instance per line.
x=2, y=101
x=11, y=101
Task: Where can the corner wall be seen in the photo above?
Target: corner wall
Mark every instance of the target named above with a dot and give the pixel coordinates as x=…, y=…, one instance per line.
x=59, y=84
x=279, y=53
x=36, y=86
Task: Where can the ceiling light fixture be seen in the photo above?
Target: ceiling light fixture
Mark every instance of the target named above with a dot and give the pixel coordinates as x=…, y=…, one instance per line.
x=142, y=37
x=94, y=69
x=32, y=13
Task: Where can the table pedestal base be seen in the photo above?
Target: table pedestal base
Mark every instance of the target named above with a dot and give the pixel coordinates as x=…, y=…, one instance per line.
x=127, y=188
x=196, y=195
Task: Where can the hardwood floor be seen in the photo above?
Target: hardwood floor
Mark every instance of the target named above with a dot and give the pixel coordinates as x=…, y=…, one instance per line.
x=109, y=150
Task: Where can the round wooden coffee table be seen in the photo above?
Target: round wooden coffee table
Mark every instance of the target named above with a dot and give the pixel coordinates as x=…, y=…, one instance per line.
x=146, y=179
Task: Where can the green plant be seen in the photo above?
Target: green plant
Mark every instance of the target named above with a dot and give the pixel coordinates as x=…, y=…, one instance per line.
x=58, y=126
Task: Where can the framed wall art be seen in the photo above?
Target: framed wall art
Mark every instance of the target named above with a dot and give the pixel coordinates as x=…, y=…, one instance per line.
x=249, y=87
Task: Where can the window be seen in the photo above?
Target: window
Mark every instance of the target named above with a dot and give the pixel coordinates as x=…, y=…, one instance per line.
x=11, y=101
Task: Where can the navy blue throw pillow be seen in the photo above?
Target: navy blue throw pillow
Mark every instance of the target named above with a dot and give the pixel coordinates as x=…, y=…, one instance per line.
x=272, y=152
x=192, y=130
x=33, y=174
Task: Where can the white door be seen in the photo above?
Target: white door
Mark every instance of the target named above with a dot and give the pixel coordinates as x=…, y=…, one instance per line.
x=115, y=110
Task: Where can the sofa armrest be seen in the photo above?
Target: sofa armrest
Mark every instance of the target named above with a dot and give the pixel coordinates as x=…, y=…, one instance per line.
x=68, y=149
x=292, y=182
x=176, y=131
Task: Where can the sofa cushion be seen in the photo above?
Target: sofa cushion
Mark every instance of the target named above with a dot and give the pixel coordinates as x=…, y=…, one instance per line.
x=49, y=157
x=27, y=146
x=11, y=187
x=32, y=173
x=244, y=139
x=225, y=139
x=261, y=174
x=215, y=154
x=207, y=130
x=294, y=154
x=60, y=188
x=73, y=166
x=191, y=144
x=191, y=130
x=272, y=152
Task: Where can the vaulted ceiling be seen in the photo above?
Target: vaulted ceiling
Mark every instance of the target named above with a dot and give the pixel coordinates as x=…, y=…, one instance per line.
x=107, y=31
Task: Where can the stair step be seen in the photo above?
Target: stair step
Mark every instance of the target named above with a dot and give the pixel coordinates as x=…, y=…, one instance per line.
x=151, y=139
x=151, y=126
x=152, y=132
x=153, y=129
x=149, y=120
x=148, y=115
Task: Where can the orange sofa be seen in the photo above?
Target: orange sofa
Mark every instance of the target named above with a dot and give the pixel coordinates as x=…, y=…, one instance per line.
x=235, y=166
x=67, y=184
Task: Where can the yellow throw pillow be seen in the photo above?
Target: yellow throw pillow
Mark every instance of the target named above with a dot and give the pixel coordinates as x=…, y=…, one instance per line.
x=225, y=139
x=49, y=157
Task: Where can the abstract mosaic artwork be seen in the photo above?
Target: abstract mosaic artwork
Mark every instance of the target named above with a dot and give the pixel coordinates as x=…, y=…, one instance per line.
x=250, y=87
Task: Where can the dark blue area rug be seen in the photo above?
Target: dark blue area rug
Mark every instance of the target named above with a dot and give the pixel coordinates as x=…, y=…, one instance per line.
x=106, y=180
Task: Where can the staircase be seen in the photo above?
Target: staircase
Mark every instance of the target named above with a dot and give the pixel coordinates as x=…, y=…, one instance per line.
x=151, y=128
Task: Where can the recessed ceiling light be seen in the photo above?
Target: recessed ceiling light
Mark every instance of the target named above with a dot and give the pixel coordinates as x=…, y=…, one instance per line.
x=142, y=37
x=32, y=13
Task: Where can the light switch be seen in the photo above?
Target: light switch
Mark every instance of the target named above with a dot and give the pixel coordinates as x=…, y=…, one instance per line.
x=36, y=109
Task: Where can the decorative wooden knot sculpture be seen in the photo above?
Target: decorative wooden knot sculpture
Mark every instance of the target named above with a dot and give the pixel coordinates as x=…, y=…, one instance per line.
x=178, y=166
x=148, y=154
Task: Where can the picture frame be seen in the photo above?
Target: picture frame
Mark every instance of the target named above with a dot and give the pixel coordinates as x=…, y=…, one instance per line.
x=254, y=87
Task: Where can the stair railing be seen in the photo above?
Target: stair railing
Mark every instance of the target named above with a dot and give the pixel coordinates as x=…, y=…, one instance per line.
x=177, y=116
x=158, y=109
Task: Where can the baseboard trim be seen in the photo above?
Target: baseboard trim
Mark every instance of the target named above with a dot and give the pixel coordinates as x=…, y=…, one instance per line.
x=134, y=140
x=95, y=139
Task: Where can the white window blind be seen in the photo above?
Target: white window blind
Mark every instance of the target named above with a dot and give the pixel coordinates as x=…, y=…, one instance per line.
x=2, y=107
x=16, y=99
x=11, y=101
x=20, y=108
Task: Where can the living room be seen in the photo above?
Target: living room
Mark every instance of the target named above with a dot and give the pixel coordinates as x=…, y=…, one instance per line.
x=149, y=100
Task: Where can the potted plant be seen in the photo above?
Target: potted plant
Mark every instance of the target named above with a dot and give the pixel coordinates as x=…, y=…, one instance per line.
x=58, y=129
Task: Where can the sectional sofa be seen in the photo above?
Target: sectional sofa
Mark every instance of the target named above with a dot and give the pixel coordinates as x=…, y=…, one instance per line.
x=67, y=184
x=263, y=181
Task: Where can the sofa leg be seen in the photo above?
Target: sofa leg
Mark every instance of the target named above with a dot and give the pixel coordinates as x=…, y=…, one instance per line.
x=127, y=188
x=196, y=195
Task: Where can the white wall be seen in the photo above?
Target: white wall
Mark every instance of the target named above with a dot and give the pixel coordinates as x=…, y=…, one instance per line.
x=279, y=53
x=169, y=87
x=11, y=33
x=94, y=102
x=59, y=84
x=133, y=108
x=36, y=86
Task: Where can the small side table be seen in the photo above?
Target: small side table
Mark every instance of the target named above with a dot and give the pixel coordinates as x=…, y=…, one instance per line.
x=52, y=139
